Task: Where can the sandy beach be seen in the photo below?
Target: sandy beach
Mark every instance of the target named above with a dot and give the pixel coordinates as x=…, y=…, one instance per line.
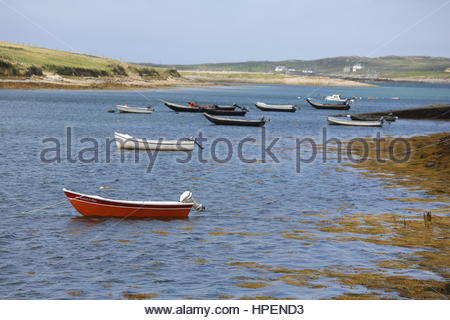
x=197, y=78
x=269, y=78
x=78, y=83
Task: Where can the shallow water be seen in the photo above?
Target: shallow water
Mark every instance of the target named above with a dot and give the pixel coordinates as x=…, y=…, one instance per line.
x=256, y=212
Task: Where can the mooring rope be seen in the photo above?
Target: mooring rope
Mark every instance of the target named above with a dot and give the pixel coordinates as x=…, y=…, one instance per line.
x=46, y=207
x=49, y=206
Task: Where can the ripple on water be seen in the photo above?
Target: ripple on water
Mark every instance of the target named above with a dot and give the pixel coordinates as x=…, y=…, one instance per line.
x=269, y=232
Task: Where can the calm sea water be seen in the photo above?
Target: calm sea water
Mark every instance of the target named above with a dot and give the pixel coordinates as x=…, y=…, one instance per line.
x=55, y=253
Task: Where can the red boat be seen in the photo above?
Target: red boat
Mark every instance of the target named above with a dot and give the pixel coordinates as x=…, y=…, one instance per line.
x=95, y=206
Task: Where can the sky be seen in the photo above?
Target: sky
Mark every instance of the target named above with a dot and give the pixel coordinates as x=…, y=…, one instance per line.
x=206, y=31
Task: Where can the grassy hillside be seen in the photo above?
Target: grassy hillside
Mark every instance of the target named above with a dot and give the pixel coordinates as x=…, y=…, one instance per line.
x=382, y=65
x=24, y=61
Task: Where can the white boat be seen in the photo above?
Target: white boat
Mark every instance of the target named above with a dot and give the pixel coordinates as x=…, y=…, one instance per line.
x=348, y=122
x=126, y=109
x=275, y=107
x=338, y=98
x=335, y=97
x=125, y=141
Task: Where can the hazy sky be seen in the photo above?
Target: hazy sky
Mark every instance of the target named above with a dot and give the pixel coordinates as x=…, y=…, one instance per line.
x=197, y=31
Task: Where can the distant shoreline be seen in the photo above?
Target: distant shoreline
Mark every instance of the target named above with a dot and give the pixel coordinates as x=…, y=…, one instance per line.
x=269, y=78
x=96, y=84
x=195, y=79
x=404, y=80
x=188, y=78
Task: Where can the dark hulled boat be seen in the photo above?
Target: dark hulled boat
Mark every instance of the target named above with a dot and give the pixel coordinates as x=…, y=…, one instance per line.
x=329, y=105
x=235, y=122
x=388, y=118
x=224, y=112
x=193, y=107
x=214, y=106
x=180, y=108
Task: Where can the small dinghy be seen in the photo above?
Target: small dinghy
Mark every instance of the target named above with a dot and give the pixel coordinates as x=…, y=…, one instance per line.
x=329, y=104
x=95, y=206
x=193, y=107
x=235, y=122
x=125, y=141
x=349, y=122
x=126, y=109
x=275, y=107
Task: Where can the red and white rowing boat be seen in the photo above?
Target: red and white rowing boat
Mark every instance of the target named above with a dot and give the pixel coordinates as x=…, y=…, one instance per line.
x=96, y=206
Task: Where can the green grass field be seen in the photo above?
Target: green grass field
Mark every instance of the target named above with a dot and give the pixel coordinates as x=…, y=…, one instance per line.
x=21, y=60
x=381, y=65
x=25, y=61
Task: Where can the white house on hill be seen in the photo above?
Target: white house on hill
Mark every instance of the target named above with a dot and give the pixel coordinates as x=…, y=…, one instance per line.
x=280, y=69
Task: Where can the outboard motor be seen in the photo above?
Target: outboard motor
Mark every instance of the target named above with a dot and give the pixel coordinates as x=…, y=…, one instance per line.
x=186, y=197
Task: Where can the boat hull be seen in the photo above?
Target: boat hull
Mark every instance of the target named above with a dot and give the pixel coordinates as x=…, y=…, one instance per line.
x=219, y=112
x=234, y=122
x=128, y=142
x=368, y=118
x=332, y=106
x=93, y=206
x=355, y=123
x=275, y=108
x=180, y=108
